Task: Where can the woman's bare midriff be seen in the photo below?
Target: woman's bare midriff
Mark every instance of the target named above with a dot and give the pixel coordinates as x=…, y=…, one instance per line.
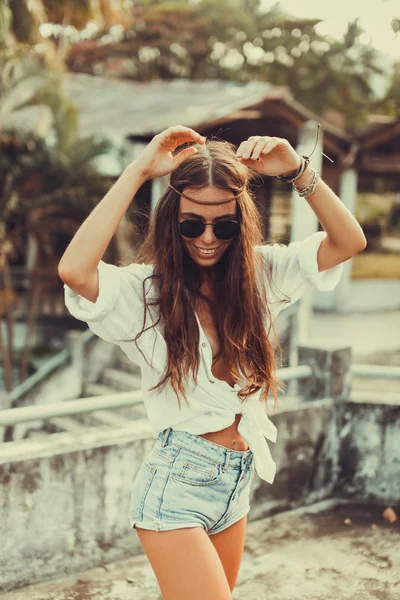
x=225, y=437
x=228, y=437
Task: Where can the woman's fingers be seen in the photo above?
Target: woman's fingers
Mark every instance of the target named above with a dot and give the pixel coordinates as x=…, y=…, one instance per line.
x=256, y=145
x=240, y=150
x=247, y=148
x=184, y=155
x=260, y=147
x=178, y=134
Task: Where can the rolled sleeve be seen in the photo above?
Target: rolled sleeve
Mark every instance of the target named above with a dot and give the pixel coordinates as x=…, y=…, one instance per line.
x=324, y=281
x=294, y=268
x=118, y=310
x=109, y=289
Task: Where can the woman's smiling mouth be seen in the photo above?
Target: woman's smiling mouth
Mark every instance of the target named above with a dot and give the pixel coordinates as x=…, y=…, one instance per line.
x=206, y=252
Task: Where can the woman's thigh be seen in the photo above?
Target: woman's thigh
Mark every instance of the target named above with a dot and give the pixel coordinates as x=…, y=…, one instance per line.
x=229, y=545
x=186, y=564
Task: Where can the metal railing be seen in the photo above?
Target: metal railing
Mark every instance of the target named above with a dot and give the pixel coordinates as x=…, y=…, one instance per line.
x=291, y=373
x=24, y=414
x=50, y=366
x=376, y=371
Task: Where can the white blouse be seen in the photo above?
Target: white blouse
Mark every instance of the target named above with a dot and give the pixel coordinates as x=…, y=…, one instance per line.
x=118, y=313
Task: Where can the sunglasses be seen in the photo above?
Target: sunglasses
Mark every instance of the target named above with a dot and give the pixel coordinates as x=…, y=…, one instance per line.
x=223, y=230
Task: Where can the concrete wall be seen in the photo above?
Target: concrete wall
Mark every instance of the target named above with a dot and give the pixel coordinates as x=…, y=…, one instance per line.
x=64, y=502
x=306, y=456
x=369, y=453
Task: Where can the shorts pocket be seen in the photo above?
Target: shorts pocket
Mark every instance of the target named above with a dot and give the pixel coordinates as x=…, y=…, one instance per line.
x=166, y=453
x=140, y=489
x=195, y=469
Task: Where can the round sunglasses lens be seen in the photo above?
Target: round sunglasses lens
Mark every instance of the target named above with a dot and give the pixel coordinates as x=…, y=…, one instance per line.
x=191, y=228
x=224, y=230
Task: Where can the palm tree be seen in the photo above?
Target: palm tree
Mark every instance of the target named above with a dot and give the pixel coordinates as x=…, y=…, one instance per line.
x=44, y=191
x=43, y=185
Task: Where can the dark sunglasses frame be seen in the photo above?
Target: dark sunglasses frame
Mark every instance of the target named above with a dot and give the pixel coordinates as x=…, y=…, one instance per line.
x=204, y=225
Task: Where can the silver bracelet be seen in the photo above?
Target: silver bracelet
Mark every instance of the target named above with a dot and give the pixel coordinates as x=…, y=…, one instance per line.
x=307, y=191
x=306, y=183
x=304, y=162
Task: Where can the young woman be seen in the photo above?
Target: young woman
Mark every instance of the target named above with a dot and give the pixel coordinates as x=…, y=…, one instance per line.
x=196, y=312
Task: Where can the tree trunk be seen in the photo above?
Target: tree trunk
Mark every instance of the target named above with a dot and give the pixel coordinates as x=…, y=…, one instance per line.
x=9, y=310
x=4, y=349
x=32, y=314
x=7, y=368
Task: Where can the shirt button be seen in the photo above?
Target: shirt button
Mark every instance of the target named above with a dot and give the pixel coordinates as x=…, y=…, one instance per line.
x=211, y=380
x=204, y=344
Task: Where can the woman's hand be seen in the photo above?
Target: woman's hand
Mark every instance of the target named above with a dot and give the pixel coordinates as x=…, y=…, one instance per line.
x=156, y=159
x=268, y=155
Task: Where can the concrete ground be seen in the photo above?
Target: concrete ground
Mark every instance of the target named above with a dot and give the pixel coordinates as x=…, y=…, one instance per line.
x=324, y=552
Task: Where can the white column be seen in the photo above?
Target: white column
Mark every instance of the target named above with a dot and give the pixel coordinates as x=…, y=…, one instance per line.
x=157, y=189
x=131, y=151
x=304, y=223
x=304, y=220
x=348, y=186
x=158, y=185
x=31, y=253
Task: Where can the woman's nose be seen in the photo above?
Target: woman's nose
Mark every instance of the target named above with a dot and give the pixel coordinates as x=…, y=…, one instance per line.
x=208, y=236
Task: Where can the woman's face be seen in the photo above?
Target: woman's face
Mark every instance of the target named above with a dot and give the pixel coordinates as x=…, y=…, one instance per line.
x=208, y=213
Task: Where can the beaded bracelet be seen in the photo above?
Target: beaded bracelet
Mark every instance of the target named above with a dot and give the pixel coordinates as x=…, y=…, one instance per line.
x=307, y=191
x=305, y=161
x=306, y=183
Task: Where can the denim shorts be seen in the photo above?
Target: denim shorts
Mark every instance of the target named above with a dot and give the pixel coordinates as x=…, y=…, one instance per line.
x=188, y=481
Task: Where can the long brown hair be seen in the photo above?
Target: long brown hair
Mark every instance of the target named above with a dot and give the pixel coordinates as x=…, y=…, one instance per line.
x=240, y=306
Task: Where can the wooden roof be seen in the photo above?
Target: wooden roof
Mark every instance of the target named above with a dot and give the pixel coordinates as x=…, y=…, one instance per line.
x=125, y=109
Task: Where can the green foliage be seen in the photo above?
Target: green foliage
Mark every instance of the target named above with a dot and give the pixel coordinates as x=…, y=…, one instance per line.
x=241, y=41
x=5, y=23
x=33, y=84
x=42, y=187
x=41, y=180
x=237, y=40
x=390, y=103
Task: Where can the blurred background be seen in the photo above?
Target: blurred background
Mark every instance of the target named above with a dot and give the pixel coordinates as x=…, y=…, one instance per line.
x=84, y=87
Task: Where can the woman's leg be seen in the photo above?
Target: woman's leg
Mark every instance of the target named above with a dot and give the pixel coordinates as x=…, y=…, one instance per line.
x=186, y=564
x=229, y=545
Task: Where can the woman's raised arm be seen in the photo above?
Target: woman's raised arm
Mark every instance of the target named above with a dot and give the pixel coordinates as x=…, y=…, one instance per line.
x=78, y=265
